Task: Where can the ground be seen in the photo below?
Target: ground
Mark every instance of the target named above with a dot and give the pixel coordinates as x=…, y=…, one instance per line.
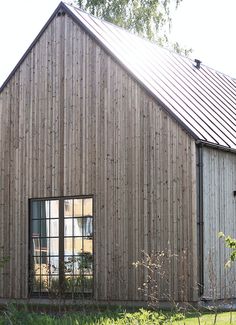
x=119, y=316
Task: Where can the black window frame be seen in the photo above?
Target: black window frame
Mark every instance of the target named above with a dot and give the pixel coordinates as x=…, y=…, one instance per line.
x=62, y=254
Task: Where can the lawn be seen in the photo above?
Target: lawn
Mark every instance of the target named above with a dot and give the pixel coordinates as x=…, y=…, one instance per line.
x=12, y=316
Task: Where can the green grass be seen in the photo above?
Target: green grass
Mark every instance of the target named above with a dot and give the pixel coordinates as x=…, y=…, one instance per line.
x=208, y=319
x=13, y=316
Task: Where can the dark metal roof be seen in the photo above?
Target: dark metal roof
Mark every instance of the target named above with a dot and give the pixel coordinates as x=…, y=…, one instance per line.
x=201, y=99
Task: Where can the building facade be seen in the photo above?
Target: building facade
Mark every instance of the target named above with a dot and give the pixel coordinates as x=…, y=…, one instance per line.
x=95, y=170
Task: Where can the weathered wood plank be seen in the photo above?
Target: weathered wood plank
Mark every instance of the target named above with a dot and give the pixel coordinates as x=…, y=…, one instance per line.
x=81, y=125
x=219, y=182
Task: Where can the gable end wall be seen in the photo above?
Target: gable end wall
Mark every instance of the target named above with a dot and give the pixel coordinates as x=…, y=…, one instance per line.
x=73, y=122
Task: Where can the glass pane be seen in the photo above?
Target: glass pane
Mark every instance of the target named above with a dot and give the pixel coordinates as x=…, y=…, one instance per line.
x=78, y=266
x=35, y=228
x=87, y=263
x=35, y=209
x=68, y=208
x=78, y=284
x=54, y=227
x=78, y=211
x=44, y=228
x=44, y=255
x=44, y=283
x=45, y=265
x=45, y=213
x=44, y=246
x=54, y=208
x=74, y=284
x=69, y=265
x=69, y=283
x=49, y=246
x=36, y=265
x=68, y=227
x=88, y=227
x=45, y=209
x=36, y=246
x=88, y=284
x=68, y=246
x=88, y=207
x=54, y=265
x=54, y=286
x=54, y=246
x=78, y=246
x=88, y=246
x=78, y=225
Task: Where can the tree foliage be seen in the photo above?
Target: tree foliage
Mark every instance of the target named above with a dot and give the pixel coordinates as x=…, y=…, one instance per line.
x=149, y=18
x=229, y=243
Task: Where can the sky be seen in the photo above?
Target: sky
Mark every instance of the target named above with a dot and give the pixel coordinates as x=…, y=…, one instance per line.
x=206, y=26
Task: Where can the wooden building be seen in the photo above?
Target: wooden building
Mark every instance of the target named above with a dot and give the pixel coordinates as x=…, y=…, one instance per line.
x=111, y=146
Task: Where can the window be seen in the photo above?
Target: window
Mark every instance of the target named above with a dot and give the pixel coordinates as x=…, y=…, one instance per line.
x=61, y=246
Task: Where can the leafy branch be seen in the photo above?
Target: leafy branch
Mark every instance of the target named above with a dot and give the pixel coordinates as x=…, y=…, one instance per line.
x=229, y=243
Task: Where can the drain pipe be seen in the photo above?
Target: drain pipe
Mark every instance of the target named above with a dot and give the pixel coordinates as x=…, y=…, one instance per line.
x=200, y=234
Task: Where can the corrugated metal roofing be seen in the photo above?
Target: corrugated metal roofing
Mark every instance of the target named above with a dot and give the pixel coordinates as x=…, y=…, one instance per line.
x=203, y=100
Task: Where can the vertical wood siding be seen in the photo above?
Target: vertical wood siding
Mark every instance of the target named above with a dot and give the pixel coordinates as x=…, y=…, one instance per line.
x=219, y=182
x=73, y=122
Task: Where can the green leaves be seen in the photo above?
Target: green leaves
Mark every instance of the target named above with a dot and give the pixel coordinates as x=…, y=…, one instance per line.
x=229, y=243
x=149, y=18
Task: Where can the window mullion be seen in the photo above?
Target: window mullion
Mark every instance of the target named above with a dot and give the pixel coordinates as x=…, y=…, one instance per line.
x=61, y=244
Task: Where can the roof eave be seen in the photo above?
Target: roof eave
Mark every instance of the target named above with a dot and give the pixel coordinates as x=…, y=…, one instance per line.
x=215, y=146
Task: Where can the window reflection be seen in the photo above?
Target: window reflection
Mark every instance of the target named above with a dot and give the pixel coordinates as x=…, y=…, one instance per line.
x=68, y=227
x=54, y=227
x=87, y=227
x=78, y=208
x=54, y=208
x=69, y=265
x=88, y=207
x=78, y=246
x=77, y=229
x=45, y=246
x=54, y=265
x=88, y=246
x=36, y=210
x=36, y=228
x=78, y=267
x=88, y=284
x=68, y=246
x=54, y=246
x=68, y=208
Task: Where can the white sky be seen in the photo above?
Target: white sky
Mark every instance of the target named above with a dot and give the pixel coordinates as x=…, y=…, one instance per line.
x=206, y=26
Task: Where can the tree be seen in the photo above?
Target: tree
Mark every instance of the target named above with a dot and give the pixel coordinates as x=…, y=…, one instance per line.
x=149, y=18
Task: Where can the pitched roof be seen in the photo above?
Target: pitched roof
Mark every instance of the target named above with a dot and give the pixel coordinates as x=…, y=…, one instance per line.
x=202, y=100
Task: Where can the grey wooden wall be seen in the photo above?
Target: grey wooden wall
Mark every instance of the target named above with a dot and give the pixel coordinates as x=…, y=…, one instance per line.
x=219, y=209
x=73, y=122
